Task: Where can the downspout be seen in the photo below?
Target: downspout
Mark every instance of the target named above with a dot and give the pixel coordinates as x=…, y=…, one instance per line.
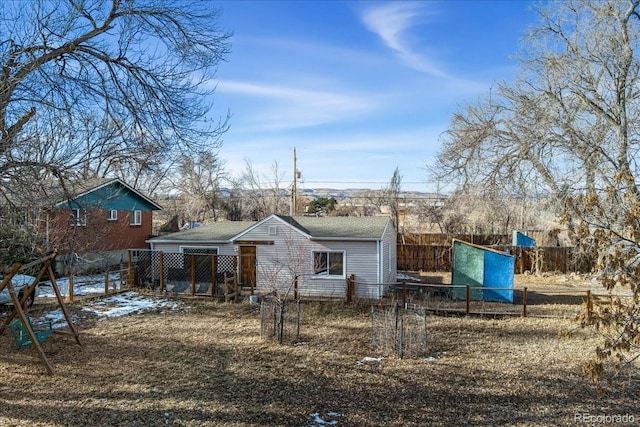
x=380, y=267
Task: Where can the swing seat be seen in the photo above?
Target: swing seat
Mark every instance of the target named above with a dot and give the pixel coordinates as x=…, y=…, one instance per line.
x=21, y=336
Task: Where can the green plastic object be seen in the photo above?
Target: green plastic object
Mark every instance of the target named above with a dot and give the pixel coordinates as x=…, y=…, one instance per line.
x=21, y=336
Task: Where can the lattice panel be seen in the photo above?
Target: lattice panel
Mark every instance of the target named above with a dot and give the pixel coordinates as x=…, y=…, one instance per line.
x=190, y=273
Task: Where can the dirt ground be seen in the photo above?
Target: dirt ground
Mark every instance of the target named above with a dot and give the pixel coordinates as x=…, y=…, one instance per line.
x=206, y=365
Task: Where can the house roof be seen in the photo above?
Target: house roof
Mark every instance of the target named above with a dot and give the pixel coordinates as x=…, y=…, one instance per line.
x=340, y=227
x=315, y=228
x=222, y=231
x=101, y=196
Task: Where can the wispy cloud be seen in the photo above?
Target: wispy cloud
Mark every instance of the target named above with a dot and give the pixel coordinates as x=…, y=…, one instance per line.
x=289, y=108
x=391, y=22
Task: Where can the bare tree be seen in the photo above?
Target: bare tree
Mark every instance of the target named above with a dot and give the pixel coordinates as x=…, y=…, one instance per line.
x=263, y=194
x=569, y=127
x=90, y=88
x=393, y=192
x=197, y=185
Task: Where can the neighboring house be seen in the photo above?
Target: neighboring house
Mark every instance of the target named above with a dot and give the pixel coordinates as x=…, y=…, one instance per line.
x=321, y=252
x=101, y=223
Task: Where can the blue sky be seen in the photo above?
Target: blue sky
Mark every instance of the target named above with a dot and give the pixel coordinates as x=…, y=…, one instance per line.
x=358, y=88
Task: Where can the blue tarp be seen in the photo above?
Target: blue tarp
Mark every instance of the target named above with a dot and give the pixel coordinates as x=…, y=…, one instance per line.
x=488, y=272
x=520, y=239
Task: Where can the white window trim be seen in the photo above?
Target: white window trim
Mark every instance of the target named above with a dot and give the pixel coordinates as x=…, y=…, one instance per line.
x=112, y=215
x=190, y=248
x=327, y=275
x=136, y=217
x=79, y=217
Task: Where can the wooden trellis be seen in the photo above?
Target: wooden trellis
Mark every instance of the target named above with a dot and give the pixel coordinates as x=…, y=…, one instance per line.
x=18, y=310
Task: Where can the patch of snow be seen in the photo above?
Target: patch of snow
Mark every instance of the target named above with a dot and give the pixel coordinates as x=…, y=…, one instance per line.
x=89, y=285
x=56, y=318
x=436, y=356
x=319, y=421
x=401, y=277
x=369, y=360
x=128, y=303
x=113, y=306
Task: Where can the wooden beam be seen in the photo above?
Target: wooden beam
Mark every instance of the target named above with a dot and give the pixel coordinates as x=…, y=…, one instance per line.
x=253, y=242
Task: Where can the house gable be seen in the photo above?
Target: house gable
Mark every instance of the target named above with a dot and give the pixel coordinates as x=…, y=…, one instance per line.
x=275, y=221
x=112, y=195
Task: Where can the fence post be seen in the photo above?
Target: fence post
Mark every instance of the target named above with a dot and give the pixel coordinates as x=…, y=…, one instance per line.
x=227, y=290
x=401, y=343
x=524, y=301
x=404, y=294
x=235, y=279
x=193, y=274
x=106, y=283
x=351, y=281
x=129, y=269
x=161, y=265
x=214, y=273
x=295, y=288
x=71, y=288
x=589, y=304
x=468, y=298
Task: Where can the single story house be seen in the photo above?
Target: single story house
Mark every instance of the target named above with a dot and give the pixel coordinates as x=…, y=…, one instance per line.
x=319, y=254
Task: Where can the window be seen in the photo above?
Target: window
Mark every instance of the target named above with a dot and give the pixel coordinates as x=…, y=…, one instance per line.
x=328, y=264
x=136, y=218
x=200, y=250
x=112, y=215
x=78, y=218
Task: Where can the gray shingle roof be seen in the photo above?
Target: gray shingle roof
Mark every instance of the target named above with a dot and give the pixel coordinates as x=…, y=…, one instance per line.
x=216, y=232
x=340, y=227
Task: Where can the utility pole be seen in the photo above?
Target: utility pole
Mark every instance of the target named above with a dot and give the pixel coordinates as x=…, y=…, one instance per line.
x=294, y=187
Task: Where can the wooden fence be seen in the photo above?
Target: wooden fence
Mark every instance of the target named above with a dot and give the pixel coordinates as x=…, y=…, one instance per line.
x=413, y=257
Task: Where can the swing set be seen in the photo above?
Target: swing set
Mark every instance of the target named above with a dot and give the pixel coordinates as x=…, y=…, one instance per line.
x=20, y=325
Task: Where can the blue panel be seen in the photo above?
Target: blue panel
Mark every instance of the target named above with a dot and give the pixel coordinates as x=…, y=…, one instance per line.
x=466, y=269
x=112, y=196
x=520, y=239
x=498, y=277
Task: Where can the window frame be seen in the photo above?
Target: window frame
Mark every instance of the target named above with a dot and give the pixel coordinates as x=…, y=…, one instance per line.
x=112, y=215
x=78, y=217
x=193, y=250
x=135, y=218
x=326, y=271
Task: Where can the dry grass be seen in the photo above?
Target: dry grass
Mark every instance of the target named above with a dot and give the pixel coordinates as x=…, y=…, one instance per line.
x=205, y=365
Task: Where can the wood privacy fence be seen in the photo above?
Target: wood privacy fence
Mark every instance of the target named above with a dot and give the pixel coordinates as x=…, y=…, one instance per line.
x=414, y=257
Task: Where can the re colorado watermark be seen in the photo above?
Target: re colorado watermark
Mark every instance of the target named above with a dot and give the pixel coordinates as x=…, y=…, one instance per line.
x=602, y=418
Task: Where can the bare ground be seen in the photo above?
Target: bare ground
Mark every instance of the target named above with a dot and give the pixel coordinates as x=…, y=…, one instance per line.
x=206, y=365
